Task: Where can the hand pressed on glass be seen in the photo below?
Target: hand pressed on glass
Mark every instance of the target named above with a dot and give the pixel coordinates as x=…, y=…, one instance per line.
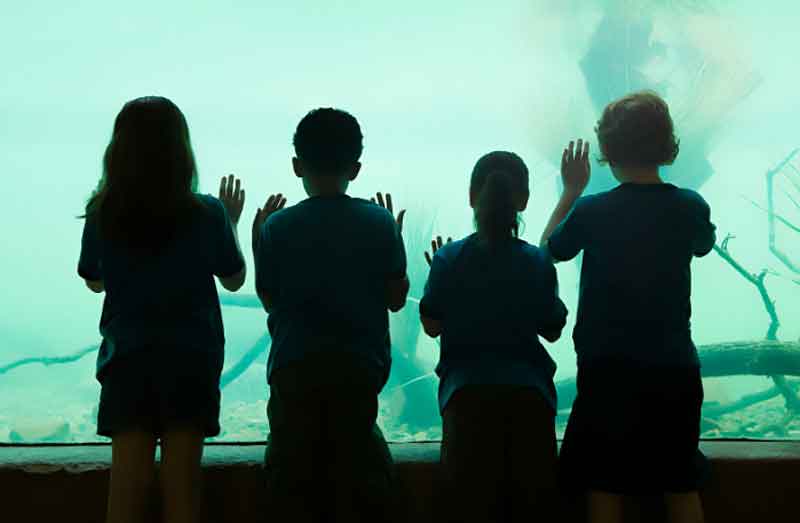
x=389, y=207
x=435, y=246
x=575, y=167
x=274, y=203
x=575, y=173
x=231, y=194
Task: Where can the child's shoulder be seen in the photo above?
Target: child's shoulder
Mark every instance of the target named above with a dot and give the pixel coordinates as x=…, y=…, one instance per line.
x=370, y=216
x=210, y=203
x=453, y=249
x=594, y=200
x=369, y=208
x=691, y=196
x=533, y=252
x=684, y=200
x=210, y=209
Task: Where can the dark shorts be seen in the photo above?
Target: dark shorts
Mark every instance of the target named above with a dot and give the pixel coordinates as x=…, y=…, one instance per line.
x=324, y=448
x=157, y=390
x=634, y=430
x=499, y=454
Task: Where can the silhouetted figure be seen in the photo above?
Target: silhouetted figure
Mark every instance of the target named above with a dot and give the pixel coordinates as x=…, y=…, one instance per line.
x=639, y=385
x=490, y=296
x=328, y=269
x=623, y=54
x=154, y=246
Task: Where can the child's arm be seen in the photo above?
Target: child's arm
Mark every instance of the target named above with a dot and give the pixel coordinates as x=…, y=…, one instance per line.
x=397, y=286
x=429, y=306
x=235, y=281
x=397, y=293
x=575, y=172
x=97, y=286
x=432, y=328
x=706, y=232
x=89, y=263
x=262, y=249
x=553, y=309
x=231, y=194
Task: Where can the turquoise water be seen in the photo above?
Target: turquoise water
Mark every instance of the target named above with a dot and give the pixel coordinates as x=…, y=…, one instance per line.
x=434, y=85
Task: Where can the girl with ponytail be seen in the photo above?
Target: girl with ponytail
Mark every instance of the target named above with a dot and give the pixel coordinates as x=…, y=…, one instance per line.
x=490, y=296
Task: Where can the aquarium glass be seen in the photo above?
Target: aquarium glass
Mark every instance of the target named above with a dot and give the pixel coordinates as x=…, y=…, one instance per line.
x=434, y=85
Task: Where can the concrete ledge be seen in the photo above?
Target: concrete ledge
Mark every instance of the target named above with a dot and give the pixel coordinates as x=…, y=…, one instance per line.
x=753, y=482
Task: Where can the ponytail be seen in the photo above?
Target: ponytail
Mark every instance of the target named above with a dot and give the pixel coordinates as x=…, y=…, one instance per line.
x=499, y=178
x=495, y=214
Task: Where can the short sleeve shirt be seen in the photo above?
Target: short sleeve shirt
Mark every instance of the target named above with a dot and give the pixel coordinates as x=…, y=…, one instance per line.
x=169, y=299
x=493, y=303
x=638, y=242
x=325, y=264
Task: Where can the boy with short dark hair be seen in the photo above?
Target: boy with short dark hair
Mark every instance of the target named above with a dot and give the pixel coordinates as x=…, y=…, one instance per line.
x=327, y=270
x=639, y=385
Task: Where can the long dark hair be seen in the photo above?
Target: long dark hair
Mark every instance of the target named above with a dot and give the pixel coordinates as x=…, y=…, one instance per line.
x=498, y=179
x=147, y=188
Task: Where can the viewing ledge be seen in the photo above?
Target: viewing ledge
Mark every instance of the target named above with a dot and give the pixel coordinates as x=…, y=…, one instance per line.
x=752, y=481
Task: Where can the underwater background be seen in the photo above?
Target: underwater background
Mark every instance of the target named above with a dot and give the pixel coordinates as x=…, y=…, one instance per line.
x=434, y=85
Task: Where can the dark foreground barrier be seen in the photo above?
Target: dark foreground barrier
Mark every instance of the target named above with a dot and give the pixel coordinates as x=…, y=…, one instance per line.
x=753, y=482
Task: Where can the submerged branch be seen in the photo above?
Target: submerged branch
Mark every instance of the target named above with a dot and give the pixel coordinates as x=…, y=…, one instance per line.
x=774, y=215
x=247, y=301
x=750, y=358
x=237, y=369
x=771, y=217
x=740, y=358
x=778, y=372
x=49, y=360
x=758, y=281
x=717, y=410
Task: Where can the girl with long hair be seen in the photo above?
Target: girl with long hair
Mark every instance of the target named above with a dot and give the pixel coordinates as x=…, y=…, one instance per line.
x=154, y=245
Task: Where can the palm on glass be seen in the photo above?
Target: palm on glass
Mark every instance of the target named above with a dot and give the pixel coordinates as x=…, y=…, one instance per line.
x=387, y=204
x=274, y=203
x=231, y=195
x=575, y=167
x=435, y=246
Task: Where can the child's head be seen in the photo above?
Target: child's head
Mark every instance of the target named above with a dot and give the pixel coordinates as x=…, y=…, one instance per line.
x=498, y=192
x=636, y=132
x=328, y=145
x=149, y=173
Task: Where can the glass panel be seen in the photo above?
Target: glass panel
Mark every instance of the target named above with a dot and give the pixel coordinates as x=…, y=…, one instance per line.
x=434, y=85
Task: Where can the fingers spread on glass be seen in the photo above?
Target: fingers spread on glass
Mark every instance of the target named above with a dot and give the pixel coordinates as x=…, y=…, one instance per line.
x=387, y=204
x=231, y=194
x=436, y=244
x=575, y=167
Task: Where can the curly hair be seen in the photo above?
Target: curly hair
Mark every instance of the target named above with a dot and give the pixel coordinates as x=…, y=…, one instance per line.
x=637, y=131
x=328, y=140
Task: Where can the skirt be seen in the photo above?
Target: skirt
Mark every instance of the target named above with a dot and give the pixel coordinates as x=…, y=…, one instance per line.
x=157, y=389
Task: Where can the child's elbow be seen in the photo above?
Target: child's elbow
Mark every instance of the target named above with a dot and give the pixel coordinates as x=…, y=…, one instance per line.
x=235, y=282
x=397, y=306
x=551, y=336
x=552, y=333
x=397, y=294
x=432, y=328
x=433, y=333
x=96, y=286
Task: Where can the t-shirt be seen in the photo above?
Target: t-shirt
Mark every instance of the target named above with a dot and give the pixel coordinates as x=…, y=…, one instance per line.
x=638, y=241
x=167, y=300
x=325, y=264
x=492, y=304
